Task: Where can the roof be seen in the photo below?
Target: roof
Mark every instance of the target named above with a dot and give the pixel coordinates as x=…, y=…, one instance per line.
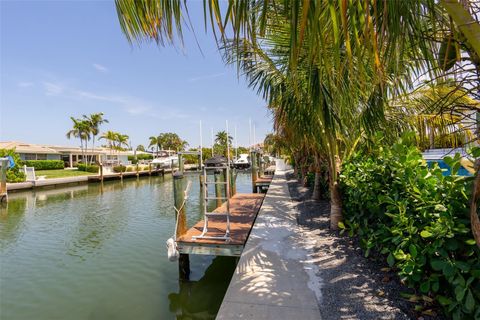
x=22, y=147
x=439, y=154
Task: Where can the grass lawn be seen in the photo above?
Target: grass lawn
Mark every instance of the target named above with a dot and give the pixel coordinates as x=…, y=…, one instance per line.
x=50, y=174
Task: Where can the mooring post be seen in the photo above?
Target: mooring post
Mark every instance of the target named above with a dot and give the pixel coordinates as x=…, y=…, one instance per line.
x=202, y=200
x=199, y=159
x=233, y=185
x=3, y=180
x=260, y=165
x=100, y=168
x=137, y=170
x=253, y=157
x=179, y=197
x=180, y=163
x=218, y=187
x=149, y=168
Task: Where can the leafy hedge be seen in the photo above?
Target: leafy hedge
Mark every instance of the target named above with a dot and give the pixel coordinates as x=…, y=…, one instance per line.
x=119, y=168
x=45, y=164
x=418, y=219
x=88, y=168
x=141, y=156
x=13, y=174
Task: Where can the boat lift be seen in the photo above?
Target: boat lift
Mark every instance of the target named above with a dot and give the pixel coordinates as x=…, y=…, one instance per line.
x=217, y=165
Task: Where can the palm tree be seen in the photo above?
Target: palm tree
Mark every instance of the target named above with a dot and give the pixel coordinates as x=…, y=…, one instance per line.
x=81, y=130
x=327, y=68
x=122, y=141
x=110, y=137
x=95, y=120
x=154, y=142
x=222, y=141
x=140, y=147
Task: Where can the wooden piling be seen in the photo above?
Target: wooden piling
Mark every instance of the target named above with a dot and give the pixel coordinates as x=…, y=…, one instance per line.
x=180, y=163
x=137, y=170
x=233, y=184
x=260, y=165
x=149, y=169
x=253, y=157
x=101, y=171
x=218, y=187
x=3, y=180
x=179, y=197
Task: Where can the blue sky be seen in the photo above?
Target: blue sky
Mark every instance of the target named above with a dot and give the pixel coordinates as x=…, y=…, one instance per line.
x=60, y=59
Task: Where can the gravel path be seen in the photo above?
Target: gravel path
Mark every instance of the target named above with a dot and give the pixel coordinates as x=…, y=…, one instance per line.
x=352, y=286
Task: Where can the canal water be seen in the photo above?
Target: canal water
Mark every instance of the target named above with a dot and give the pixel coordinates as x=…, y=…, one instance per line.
x=98, y=252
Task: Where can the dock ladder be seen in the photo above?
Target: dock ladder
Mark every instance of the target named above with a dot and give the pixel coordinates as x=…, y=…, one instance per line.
x=224, y=168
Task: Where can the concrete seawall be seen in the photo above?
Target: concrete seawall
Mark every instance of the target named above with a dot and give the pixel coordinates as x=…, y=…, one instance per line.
x=274, y=278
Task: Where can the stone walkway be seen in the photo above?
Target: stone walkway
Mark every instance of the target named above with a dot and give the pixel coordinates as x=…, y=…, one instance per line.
x=275, y=278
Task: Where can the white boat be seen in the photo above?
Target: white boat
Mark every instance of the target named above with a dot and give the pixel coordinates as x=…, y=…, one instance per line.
x=166, y=160
x=242, y=162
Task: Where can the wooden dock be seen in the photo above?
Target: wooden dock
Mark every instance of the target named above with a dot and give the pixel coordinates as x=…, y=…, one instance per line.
x=262, y=183
x=244, y=208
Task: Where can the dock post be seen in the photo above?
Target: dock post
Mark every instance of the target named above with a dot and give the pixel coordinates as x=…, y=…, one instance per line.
x=218, y=187
x=100, y=168
x=149, y=168
x=180, y=163
x=260, y=165
x=199, y=158
x=253, y=157
x=233, y=184
x=202, y=200
x=3, y=180
x=179, y=197
x=137, y=170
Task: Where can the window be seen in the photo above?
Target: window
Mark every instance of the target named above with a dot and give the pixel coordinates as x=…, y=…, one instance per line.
x=30, y=156
x=41, y=157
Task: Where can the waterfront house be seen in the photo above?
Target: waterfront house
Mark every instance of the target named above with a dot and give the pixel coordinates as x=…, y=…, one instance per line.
x=70, y=155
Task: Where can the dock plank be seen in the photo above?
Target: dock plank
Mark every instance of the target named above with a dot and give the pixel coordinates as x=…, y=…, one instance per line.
x=244, y=208
x=264, y=180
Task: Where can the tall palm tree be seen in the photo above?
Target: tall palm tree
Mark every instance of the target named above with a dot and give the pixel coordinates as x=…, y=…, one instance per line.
x=222, y=141
x=81, y=130
x=110, y=137
x=95, y=120
x=154, y=142
x=122, y=141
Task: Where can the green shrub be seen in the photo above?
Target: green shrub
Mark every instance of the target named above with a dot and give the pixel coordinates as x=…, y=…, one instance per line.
x=120, y=168
x=14, y=174
x=88, y=168
x=45, y=164
x=418, y=219
x=129, y=169
x=142, y=156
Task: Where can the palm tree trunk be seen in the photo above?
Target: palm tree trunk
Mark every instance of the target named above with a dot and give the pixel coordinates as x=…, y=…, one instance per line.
x=474, y=220
x=317, y=194
x=335, y=205
x=336, y=214
x=93, y=148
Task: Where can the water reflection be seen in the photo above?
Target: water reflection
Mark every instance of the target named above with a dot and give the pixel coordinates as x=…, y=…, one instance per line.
x=202, y=299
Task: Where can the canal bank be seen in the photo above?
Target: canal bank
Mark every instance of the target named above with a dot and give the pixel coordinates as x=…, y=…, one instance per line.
x=71, y=181
x=275, y=277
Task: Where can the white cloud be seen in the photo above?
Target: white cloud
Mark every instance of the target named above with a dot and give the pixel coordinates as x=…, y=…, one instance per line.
x=205, y=77
x=100, y=68
x=25, y=84
x=53, y=89
x=130, y=104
